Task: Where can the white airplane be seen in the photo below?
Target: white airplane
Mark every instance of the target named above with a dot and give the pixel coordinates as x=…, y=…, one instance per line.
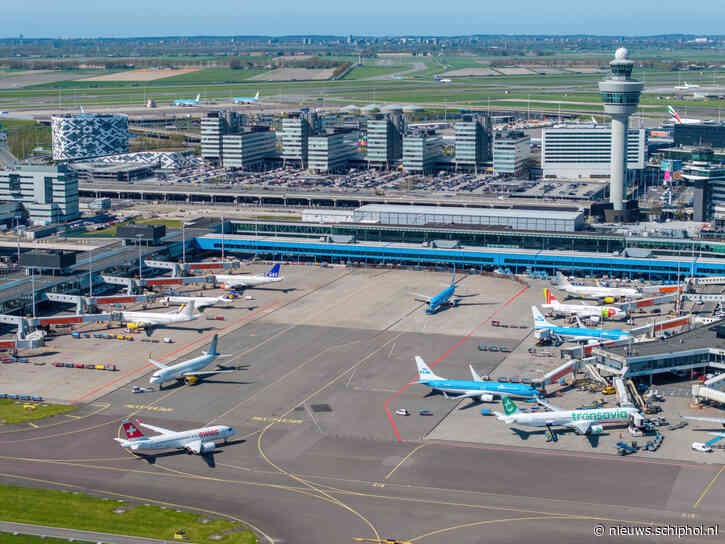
x=189, y=371
x=187, y=102
x=682, y=121
x=246, y=99
x=706, y=447
x=241, y=282
x=199, y=302
x=591, y=312
x=686, y=86
x=608, y=294
x=197, y=441
x=581, y=421
x=150, y=320
x=444, y=81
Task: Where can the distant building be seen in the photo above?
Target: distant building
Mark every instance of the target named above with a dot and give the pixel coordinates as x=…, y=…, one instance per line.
x=48, y=194
x=710, y=134
x=473, y=142
x=385, y=139
x=330, y=152
x=708, y=179
x=421, y=151
x=296, y=131
x=214, y=126
x=249, y=147
x=511, y=152
x=576, y=151
x=78, y=136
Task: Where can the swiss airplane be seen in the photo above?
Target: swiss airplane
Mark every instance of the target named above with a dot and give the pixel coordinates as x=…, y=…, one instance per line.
x=150, y=320
x=197, y=441
x=241, y=281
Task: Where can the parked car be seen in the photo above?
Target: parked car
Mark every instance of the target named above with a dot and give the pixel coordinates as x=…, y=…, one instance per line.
x=699, y=446
x=425, y=413
x=402, y=412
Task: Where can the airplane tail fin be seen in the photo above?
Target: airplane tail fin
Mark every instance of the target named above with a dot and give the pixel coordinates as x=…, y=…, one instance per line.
x=188, y=310
x=674, y=114
x=131, y=430
x=562, y=280
x=256, y=96
x=509, y=408
x=539, y=319
x=198, y=97
x=273, y=272
x=550, y=298
x=476, y=376
x=212, y=347
x=156, y=363
x=424, y=372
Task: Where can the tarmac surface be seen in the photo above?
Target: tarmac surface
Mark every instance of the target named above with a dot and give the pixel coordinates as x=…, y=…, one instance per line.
x=319, y=455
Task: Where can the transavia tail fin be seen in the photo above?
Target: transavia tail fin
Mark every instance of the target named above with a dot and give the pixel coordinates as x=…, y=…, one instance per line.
x=424, y=372
x=273, y=272
x=509, y=408
x=256, y=96
x=212, y=347
x=131, y=430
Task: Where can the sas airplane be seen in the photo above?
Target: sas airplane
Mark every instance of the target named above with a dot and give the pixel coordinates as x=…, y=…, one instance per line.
x=200, y=302
x=246, y=99
x=196, y=441
x=150, y=320
x=187, y=102
x=608, y=294
x=593, y=313
x=189, y=371
x=477, y=389
x=543, y=330
x=241, y=282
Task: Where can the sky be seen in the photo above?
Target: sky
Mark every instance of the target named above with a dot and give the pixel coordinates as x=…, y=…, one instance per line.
x=128, y=18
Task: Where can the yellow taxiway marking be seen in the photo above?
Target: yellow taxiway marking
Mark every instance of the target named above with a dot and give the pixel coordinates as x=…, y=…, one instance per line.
x=33, y=425
x=72, y=416
x=487, y=522
x=277, y=419
x=389, y=474
x=148, y=407
x=708, y=486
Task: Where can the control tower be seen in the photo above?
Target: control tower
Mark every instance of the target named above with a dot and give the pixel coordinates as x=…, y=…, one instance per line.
x=620, y=94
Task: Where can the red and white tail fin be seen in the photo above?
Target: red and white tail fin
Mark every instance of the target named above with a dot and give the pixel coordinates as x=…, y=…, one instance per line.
x=131, y=430
x=550, y=298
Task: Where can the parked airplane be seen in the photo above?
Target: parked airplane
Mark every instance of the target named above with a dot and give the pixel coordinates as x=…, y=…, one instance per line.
x=686, y=86
x=150, y=320
x=246, y=99
x=699, y=446
x=478, y=389
x=444, y=298
x=185, y=102
x=198, y=441
x=200, y=302
x=188, y=371
x=608, y=294
x=543, y=329
x=241, y=282
x=594, y=313
x=679, y=120
x=445, y=80
x=581, y=421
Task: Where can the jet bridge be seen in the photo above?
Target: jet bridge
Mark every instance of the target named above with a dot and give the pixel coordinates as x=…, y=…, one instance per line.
x=133, y=284
x=84, y=304
x=184, y=268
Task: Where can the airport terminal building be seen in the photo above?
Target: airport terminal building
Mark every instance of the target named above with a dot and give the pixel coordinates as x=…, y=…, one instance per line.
x=81, y=136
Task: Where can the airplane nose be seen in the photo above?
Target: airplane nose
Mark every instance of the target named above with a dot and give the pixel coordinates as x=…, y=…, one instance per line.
x=232, y=431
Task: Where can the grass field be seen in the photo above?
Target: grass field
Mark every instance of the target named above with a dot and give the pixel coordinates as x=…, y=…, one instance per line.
x=12, y=411
x=363, y=72
x=77, y=511
x=8, y=538
x=24, y=136
x=111, y=231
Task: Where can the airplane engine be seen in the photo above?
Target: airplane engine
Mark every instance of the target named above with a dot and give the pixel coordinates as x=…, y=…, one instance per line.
x=592, y=341
x=486, y=397
x=596, y=429
x=609, y=300
x=206, y=447
x=191, y=380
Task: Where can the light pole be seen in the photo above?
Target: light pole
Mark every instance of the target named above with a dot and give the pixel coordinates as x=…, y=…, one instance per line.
x=32, y=283
x=222, y=238
x=90, y=275
x=138, y=241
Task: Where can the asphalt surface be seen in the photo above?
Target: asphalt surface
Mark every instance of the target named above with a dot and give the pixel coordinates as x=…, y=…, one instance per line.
x=317, y=458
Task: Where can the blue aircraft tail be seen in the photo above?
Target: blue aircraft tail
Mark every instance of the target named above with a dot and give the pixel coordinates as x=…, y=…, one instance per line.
x=273, y=272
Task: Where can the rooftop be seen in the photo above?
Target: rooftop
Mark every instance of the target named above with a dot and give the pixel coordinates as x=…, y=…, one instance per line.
x=474, y=212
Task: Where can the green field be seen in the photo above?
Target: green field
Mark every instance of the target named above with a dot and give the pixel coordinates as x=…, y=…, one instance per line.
x=24, y=136
x=364, y=72
x=77, y=511
x=111, y=231
x=12, y=411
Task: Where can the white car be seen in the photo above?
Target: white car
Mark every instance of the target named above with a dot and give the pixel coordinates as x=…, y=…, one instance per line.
x=402, y=412
x=699, y=446
x=137, y=389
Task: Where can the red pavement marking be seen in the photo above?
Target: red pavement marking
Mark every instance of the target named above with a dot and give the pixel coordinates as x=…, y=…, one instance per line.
x=446, y=354
x=216, y=331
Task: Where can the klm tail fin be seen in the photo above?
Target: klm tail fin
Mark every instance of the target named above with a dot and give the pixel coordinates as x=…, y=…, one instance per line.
x=539, y=319
x=273, y=272
x=509, y=408
x=212, y=347
x=425, y=374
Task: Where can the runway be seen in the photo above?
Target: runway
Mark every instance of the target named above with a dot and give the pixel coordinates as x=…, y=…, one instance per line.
x=316, y=459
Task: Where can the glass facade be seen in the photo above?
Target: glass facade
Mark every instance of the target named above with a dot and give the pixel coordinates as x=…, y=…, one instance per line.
x=620, y=98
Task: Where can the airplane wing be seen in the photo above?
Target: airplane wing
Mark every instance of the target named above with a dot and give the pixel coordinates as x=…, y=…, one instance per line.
x=548, y=405
x=581, y=427
x=472, y=394
x=194, y=446
x=156, y=363
x=718, y=437
x=708, y=419
x=159, y=430
x=207, y=372
x=423, y=298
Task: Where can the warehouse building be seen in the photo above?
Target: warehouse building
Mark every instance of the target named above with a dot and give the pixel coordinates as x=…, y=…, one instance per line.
x=249, y=147
x=576, y=151
x=421, y=151
x=87, y=135
x=516, y=219
x=48, y=194
x=511, y=152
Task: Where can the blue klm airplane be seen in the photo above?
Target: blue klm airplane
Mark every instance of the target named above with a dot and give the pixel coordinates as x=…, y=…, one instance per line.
x=477, y=389
x=443, y=298
x=544, y=329
x=246, y=99
x=188, y=101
